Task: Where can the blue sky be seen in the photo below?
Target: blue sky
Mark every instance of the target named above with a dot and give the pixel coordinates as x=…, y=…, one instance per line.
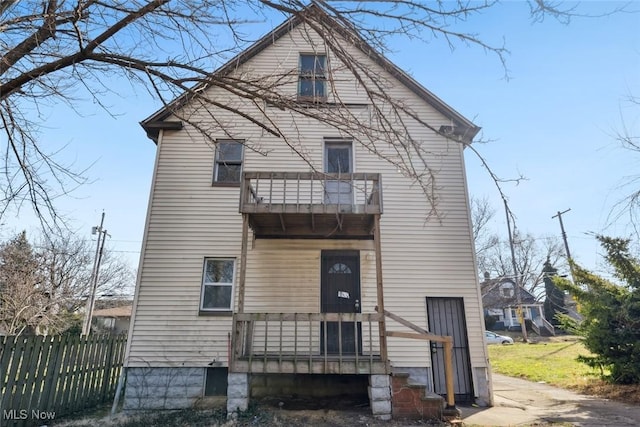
x=552, y=121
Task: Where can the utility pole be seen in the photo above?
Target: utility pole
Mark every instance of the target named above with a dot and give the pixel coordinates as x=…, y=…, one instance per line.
x=523, y=325
x=93, y=282
x=564, y=234
x=564, y=237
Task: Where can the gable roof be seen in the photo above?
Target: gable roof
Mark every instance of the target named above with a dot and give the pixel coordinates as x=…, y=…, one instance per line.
x=462, y=126
x=493, y=298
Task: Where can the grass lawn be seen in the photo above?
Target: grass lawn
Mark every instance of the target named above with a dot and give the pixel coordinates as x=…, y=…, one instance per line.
x=555, y=363
x=552, y=362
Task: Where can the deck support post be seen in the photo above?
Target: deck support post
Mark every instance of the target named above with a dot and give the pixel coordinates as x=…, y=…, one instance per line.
x=236, y=340
x=238, y=382
x=448, y=372
x=380, y=292
x=243, y=262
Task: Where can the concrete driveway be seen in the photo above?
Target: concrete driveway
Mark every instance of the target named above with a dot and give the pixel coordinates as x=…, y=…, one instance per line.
x=518, y=402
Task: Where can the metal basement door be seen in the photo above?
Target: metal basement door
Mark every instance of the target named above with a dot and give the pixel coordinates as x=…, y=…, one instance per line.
x=446, y=317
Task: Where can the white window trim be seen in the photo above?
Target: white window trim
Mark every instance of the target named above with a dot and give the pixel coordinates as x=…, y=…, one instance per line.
x=328, y=140
x=203, y=284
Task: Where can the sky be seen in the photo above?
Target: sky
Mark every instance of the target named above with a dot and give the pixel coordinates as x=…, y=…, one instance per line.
x=553, y=120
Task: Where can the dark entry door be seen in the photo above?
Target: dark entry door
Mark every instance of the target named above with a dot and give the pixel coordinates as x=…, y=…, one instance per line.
x=340, y=293
x=446, y=317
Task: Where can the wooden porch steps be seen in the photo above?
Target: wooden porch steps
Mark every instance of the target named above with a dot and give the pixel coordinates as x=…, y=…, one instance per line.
x=413, y=401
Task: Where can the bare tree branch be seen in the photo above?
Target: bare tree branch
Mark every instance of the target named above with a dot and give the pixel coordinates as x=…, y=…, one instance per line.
x=41, y=285
x=170, y=48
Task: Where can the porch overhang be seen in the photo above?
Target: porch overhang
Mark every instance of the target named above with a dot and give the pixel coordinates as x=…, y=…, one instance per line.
x=311, y=204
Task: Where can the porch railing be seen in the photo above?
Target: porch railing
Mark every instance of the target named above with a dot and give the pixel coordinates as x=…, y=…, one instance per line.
x=548, y=326
x=310, y=192
x=307, y=343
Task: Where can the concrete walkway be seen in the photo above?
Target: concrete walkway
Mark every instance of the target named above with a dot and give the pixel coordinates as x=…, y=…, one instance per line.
x=520, y=402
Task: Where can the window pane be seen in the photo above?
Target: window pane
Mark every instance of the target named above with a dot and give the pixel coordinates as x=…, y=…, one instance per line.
x=307, y=64
x=306, y=87
x=312, y=88
x=228, y=173
x=219, y=271
x=318, y=65
x=319, y=88
x=229, y=151
x=217, y=297
x=339, y=268
x=338, y=160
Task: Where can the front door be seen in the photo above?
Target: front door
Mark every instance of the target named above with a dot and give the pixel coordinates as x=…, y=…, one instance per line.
x=340, y=293
x=446, y=317
x=338, y=160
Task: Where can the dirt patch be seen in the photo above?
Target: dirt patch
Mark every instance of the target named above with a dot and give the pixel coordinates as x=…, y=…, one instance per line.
x=264, y=414
x=622, y=393
x=332, y=418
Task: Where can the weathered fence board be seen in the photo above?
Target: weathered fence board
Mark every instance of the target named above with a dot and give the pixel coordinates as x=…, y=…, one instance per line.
x=45, y=377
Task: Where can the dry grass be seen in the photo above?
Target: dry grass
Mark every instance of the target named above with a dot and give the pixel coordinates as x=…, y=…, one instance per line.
x=622, y=393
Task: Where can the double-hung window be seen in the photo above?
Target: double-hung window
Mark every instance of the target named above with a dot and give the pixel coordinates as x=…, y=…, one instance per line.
x=312, y=81
x=217, y=284
x=228, y=162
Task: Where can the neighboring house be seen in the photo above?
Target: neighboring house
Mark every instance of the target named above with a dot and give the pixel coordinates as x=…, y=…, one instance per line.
x=501, y=303
x=260, y=276
x=114, y=320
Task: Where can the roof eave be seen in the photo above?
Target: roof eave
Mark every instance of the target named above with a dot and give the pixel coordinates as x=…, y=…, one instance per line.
x=153, y=128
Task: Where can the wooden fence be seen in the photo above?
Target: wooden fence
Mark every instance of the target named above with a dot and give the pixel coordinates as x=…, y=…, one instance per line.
x=44, y=378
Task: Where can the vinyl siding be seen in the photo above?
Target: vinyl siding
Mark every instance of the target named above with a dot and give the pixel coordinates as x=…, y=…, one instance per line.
x=190, y=219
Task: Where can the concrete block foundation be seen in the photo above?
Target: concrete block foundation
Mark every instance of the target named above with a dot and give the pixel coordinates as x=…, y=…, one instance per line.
x=380, y=396
x=237, y=393
x=163, y=388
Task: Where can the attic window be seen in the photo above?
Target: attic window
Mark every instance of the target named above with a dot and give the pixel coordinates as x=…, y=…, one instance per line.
x=506, y=290
x=312, y=80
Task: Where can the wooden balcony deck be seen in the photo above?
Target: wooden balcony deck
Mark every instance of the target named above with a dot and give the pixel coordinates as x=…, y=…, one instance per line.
x=301, y=343
x=311, y=204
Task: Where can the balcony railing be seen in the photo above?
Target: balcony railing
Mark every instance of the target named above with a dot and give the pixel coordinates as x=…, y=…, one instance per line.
x=307, y=343
x=311, y=192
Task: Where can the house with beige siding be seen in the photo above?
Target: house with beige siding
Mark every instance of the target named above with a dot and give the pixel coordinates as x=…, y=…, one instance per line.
x=304, y=260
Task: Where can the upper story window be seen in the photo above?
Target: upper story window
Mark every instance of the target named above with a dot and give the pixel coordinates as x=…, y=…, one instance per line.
x=228, y=162
x=312, y=81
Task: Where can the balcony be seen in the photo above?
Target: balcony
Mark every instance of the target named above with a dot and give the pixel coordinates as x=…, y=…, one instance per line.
x=311, y=204
x=307, y=343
